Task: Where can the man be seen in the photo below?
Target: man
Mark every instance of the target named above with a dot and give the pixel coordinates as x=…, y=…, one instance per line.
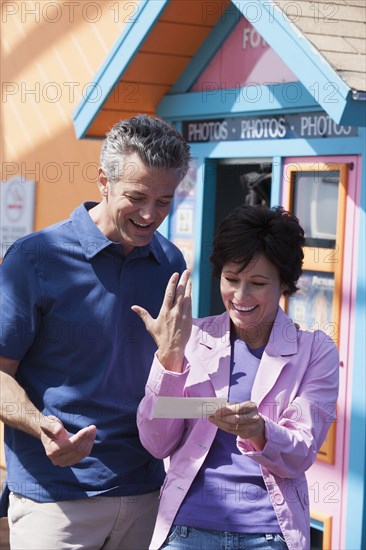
x=75, y=358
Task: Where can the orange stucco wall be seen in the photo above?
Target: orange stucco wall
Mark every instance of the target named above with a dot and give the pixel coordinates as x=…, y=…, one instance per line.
x=50, y=52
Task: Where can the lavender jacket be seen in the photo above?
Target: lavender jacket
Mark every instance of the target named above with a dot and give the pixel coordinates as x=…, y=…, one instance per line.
x=295, y=389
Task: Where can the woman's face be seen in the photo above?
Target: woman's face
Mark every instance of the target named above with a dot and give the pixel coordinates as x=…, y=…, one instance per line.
x=251, y=298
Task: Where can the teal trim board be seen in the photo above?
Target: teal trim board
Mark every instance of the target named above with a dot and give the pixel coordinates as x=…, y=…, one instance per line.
x=198, y=238
x=354, y=113
x=206, y=206
x=276, y=183
x=127, y=45
x=252, y=100
x=278, y=147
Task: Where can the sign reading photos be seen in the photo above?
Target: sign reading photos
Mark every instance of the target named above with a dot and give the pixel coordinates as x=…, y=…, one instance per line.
x=284, y=126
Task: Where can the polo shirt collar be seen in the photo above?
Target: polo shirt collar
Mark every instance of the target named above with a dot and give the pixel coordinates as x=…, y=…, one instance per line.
x=93, y=241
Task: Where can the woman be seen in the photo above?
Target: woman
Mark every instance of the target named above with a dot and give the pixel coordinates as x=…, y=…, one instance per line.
x=238, y=481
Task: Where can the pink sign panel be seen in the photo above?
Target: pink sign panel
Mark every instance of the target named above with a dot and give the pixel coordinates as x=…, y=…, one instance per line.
x=244, y=58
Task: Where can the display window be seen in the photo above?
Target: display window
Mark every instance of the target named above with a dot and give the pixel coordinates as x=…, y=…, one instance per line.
x=317, y=196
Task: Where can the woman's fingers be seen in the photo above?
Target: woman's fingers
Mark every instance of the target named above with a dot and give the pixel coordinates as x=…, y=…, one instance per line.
x=143, y=314
x=172, y=327
x=187, y=302
x=236, y=413
x=170, y=290
x=183, y=287
x=176, y=303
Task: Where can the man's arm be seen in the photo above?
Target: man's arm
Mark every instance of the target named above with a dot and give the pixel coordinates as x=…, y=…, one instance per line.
x=18, y=411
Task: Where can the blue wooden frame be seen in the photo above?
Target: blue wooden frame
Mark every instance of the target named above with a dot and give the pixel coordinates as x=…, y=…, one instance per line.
x=285, y=98
x=321, y=85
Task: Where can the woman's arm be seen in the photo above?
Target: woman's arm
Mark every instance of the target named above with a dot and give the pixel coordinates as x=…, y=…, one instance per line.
x=171, y=331
x=293, y=441
x=160, y=436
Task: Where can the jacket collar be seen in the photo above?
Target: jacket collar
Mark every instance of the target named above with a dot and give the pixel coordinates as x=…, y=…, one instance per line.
x=215, y=353
x=215, y=334
x=283, y=338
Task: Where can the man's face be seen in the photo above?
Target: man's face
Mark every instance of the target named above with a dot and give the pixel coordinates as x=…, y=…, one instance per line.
x=135, y=206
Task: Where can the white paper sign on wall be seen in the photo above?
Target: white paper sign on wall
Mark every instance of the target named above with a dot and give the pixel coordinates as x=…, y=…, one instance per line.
x=17, y=210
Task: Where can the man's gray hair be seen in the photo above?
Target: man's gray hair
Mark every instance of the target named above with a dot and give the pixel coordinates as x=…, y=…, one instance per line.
x=157, y=143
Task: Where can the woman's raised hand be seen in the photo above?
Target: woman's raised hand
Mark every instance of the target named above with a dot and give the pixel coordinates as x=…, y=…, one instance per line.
x=172, y=328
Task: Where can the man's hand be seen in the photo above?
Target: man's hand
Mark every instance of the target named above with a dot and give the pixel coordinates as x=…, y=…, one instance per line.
x=62, y=448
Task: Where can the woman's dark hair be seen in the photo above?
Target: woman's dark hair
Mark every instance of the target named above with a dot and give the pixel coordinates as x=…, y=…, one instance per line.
x=249, y=231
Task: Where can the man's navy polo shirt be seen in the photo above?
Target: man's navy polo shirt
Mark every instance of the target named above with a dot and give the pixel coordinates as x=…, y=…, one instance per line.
x=66, y=294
